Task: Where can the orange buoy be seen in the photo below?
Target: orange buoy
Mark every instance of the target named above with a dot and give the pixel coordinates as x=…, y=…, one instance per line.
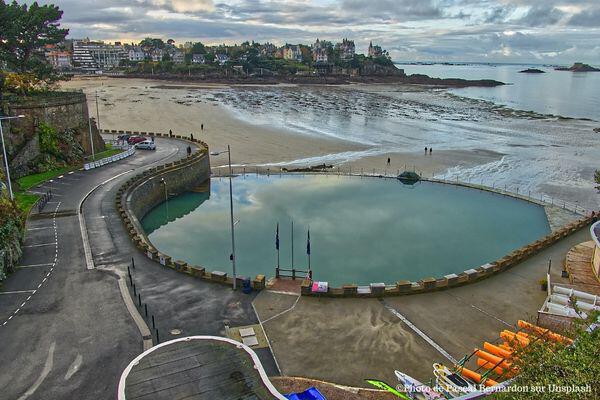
x=498, y=370
x=467, y=373
x=512, y=338
x=496, y=350
x=543, y=332
x=495, y=360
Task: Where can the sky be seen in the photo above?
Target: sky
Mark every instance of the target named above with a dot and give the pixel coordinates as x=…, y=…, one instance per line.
x=521, y=31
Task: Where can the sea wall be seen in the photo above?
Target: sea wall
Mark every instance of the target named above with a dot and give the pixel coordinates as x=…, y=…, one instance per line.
x=137, y=196
x=431, y=284
x=62, y=111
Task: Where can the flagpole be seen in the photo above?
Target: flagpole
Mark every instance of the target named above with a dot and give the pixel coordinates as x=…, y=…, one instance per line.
x=308, y=251
x=277, y=246
x=293, y=270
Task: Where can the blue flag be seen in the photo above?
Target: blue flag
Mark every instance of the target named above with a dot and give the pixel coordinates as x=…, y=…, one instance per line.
x=277, y=237
x=308, y=243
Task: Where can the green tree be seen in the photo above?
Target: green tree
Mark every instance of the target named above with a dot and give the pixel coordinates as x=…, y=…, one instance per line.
x=198, y=48
x=149, y=44
x=24, y=32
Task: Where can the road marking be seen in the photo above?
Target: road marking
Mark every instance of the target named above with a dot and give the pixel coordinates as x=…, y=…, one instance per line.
x=74, y=367
x=481, y=310
x=61, y=176
x=47, y=368
x=133, y=311
x=18, y=292
x=40, y=245
x=37, y=229
x=284, y=311
x=34, y=265
x=419, y=332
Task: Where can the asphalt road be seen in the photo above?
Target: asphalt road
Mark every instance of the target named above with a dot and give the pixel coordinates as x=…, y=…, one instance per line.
x=65, y=332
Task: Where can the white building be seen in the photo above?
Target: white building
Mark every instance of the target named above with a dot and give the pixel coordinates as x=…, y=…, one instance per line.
x=198, y=59
x=96, y=56
x=136, y=54
x=346, y=49
x=59, y=59
x=222, y=58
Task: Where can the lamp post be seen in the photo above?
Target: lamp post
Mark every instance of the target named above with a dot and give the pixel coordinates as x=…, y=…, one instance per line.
x=162, y=180
x=216, y=153
x=8, y=184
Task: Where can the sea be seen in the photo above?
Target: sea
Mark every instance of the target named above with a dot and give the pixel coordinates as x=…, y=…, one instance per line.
x=541, y=125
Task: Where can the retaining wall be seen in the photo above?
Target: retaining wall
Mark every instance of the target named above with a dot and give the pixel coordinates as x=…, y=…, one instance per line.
x=453, y=280
x=136, y=197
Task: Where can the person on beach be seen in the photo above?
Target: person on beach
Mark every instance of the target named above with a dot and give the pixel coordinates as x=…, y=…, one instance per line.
x=192, y=136
x=189, y=151
x=430, y=150
x=170, y=133
x=425, y=150
x=201, y=127
x=389, y=161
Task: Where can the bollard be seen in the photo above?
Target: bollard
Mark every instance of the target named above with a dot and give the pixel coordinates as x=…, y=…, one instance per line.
x=140, y=299
x=134, y=292
x=132, y=262
x=157, y=337
x=146, y=309
x=153, y=326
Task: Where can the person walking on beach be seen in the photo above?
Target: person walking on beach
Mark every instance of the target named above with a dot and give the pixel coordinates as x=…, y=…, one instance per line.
x=430, y=150
x=192, y=136
x=189, y=151
x=170, y=133
x=201, y=127
x=389, y=161
x=425, y=150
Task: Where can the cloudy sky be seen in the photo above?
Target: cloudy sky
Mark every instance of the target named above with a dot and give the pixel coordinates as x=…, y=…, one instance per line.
x=536, y=31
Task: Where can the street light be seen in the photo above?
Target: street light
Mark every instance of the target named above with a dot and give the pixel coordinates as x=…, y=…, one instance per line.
x=216, y=153
x=10, y=192
x=162, y=180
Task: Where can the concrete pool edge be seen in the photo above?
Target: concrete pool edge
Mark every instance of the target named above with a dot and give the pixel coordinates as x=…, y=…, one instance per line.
x=182, y=175
x=403, y=287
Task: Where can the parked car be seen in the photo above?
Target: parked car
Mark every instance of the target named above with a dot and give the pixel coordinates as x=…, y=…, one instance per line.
x=135, y=139
x=124, y=138
x=146, y=145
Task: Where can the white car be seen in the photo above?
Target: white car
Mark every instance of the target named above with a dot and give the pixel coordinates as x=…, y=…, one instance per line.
x=146, y=145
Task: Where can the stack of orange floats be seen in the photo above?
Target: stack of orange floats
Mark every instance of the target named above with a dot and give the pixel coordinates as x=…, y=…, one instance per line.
x=497, y=358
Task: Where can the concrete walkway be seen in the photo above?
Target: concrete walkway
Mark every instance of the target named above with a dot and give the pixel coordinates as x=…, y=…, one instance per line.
x=348, y=340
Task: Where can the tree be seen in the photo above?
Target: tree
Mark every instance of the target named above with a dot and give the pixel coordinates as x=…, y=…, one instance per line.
x=24, y=33
x=149, y=44
x=198, y=48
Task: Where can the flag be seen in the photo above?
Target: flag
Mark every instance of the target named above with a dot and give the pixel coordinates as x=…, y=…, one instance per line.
x=308, y=244
x=277, y=237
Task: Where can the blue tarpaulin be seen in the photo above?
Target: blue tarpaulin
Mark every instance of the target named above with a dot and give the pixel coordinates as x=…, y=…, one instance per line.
x=309, y=394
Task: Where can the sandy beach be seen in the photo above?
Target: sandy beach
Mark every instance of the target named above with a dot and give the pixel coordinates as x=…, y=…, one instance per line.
x=151, y=105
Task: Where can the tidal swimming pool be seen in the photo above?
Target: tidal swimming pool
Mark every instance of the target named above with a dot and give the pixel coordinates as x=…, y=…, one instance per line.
x=362, y=230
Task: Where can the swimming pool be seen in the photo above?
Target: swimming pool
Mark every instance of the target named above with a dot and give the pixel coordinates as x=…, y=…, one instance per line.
x=362, y=230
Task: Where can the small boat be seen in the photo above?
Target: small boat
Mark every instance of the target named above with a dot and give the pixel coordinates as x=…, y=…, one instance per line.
x=452, y=384
x=417, y=390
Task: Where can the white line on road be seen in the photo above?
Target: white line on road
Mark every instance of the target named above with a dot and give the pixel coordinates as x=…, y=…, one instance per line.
x=18, y=292
x=42, y=244
x=74, y=367
x=47, y=368
x=34, y=265
x=37, y=229
x=419, y=332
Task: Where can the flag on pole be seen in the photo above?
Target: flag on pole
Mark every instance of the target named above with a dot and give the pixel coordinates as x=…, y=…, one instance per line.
x=277, y=237
x=308, y=244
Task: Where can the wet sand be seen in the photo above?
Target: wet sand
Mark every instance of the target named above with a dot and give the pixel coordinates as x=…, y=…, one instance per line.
x=155, y=106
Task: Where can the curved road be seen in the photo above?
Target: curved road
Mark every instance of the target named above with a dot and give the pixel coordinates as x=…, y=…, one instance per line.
x=64, y=330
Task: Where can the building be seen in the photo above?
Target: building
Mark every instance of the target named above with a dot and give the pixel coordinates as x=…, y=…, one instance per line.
x=96, y=56
x=346, y=49
x=320, y=56
x=156, y=55
x=136, y=53
x=374, y=51
x=198, y=59
x=59, y=59
x=292, y=52
x=268, y=50
x=177, y=56
x=222, y=58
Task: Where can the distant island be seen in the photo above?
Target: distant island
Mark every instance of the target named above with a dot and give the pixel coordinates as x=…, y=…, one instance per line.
x=578, y=67
x=532, y=71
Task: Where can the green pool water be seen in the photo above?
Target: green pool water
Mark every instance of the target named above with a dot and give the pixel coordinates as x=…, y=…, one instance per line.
x=362, y=230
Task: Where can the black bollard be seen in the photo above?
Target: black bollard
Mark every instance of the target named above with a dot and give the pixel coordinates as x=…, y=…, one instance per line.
x=146, y=309
x=134, y=292
x=132, y=262
x=153, y=326
x=140, y=299
x=157, y=337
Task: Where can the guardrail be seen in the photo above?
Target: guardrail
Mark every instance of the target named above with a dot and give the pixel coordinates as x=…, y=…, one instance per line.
x=108, y=160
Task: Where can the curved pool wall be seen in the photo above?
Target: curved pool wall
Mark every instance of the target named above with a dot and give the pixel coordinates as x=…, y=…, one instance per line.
x=184, y=166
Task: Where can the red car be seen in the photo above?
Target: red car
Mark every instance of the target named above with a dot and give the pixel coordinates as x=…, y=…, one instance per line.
x=135, y=139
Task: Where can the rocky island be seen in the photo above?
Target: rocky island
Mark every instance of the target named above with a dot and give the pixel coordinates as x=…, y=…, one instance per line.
x=578, y=67
x=532, y=71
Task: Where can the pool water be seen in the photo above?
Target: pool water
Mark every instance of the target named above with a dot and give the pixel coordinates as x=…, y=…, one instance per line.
x=362, y=230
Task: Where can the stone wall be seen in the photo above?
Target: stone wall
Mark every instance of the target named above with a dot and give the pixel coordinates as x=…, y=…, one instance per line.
x=453, y=280
x=136, y=197
x=60, y=110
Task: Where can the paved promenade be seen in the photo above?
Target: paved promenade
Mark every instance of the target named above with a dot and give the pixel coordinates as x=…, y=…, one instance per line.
x=65, y=332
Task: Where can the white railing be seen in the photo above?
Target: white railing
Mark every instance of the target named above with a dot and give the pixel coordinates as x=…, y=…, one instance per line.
x=108, y=160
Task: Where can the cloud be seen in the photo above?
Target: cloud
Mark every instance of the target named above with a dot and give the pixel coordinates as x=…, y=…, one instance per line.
x=446, y=30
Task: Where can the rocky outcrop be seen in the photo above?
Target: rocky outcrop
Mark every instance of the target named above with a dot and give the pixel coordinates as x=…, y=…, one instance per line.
x=532, y=71
x=61, y=117
x=578, y=67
